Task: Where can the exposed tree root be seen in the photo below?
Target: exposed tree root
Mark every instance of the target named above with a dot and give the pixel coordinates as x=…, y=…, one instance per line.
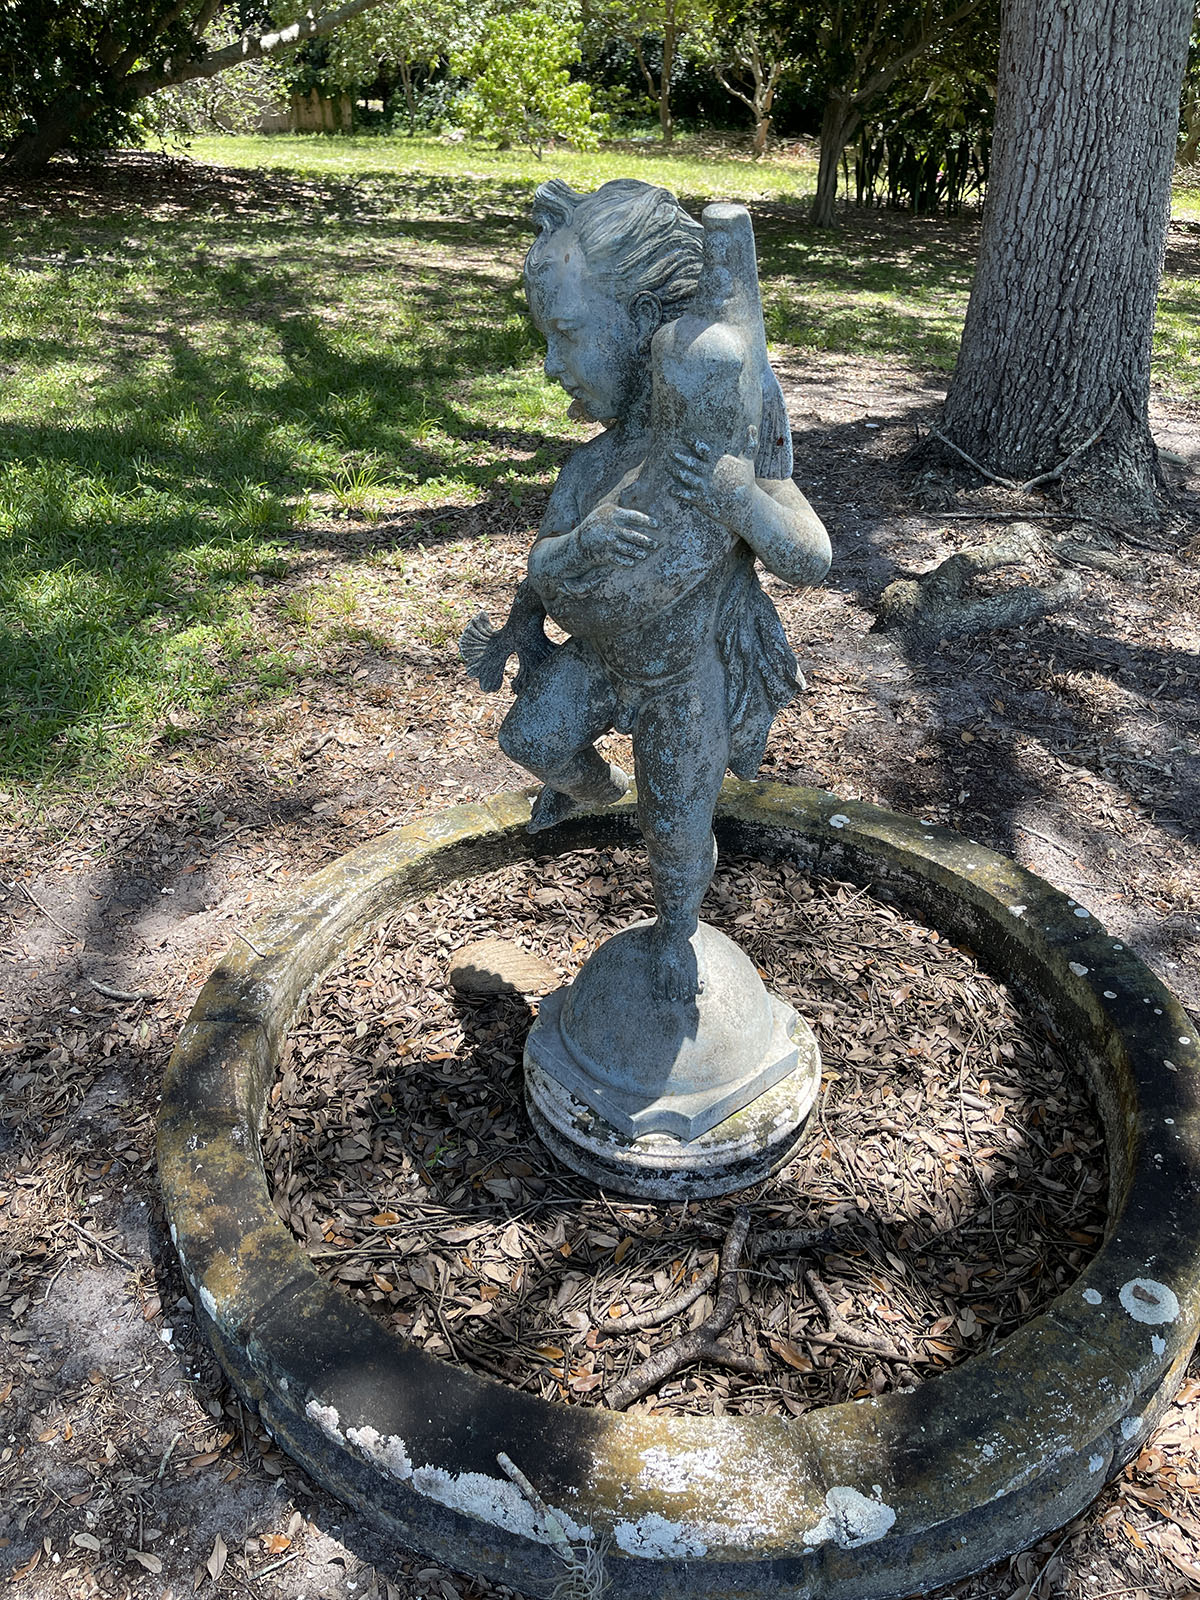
x=841, y=1332
x=940, y=605
x=701, y=1343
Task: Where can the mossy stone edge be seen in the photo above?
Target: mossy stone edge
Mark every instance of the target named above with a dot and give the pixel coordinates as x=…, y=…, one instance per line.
x=868, y=1500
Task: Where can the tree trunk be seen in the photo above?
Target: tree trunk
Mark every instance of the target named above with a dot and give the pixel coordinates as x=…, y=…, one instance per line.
x=838, y=124
x=30, y=153
x=410, y=104
x=664, y=84
x=1057, y=337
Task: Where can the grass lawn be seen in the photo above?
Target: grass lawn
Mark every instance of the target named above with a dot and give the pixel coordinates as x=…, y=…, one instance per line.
x=197, y=370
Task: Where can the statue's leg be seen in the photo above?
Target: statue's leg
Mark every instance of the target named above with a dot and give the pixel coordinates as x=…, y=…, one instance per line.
x=681, y=751
x=566, y=705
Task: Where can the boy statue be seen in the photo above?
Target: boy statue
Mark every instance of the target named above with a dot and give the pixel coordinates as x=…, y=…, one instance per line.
x=646, y=553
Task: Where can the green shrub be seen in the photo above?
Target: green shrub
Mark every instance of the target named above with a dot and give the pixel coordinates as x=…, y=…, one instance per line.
x=520, y=84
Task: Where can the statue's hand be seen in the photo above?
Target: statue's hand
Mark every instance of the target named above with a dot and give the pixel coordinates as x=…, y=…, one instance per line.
x=616, y=533
x=719, y=486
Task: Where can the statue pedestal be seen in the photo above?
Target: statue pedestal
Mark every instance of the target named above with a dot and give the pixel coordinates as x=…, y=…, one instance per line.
x=670, y=1099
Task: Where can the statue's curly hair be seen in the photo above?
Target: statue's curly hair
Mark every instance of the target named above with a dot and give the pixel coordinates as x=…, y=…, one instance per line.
x=633, y=233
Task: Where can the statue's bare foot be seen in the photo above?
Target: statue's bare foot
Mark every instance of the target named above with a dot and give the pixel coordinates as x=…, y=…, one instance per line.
x=552, y=805
x=678, y=976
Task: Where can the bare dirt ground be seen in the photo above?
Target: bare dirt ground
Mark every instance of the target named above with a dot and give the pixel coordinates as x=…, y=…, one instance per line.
x=126, y=1465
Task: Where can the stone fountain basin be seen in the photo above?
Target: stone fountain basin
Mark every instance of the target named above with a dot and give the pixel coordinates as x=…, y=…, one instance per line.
x=882, y=1497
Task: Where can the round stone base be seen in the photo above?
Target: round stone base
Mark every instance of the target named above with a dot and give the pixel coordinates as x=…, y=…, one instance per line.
x=743, y=1149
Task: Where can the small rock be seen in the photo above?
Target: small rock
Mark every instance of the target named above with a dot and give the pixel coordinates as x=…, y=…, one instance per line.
x=498, y=966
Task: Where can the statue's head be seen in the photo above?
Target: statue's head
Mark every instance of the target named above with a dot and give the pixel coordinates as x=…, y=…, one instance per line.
x=606, y=270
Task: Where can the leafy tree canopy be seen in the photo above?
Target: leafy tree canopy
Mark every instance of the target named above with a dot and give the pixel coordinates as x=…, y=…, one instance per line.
x=74, y=72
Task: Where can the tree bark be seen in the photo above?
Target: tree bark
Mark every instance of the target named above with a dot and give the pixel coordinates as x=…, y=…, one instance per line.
x=838, y=125
x=1058, y=328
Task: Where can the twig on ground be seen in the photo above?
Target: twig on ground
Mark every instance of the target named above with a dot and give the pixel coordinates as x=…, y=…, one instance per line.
x=274, y=1566
x=633, y=1321
x=162, y=1465
x=555, y=1531
x=790, y=1241
x=701, y=1344
x=249, y=942
x=121, y=994
x=100, y=1244
x=984, y=515
x=49, y=915
x=1055, y=844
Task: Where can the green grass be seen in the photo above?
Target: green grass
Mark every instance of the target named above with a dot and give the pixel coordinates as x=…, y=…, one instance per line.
x=694, y=172
x=196, y=381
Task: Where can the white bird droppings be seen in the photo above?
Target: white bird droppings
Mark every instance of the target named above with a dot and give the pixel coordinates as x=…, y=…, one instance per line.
x=1158, y=1344
x=1149, y=1301
x=837, y=820
x=1018, y=911
x=1092, y=1296
x=1082, y=911
x=1078, y=969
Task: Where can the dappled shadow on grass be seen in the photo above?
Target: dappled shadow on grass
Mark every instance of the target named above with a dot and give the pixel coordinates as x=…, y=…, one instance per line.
x=229, y=389
x=882, y=284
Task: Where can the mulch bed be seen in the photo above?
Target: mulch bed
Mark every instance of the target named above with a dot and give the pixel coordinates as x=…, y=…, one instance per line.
x=952, y=1184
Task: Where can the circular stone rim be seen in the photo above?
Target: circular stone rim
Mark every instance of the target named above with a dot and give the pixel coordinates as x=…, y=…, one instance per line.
x=866, y=1500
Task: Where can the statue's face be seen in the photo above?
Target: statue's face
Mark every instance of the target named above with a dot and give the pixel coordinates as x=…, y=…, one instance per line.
x=595, y=346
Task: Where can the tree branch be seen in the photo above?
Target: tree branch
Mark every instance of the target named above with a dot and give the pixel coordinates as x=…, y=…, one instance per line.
x=247, y=48
x=635, y=1321
x=719, y=75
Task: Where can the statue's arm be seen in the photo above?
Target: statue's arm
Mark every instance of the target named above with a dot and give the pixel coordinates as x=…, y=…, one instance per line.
x=785, y=532
x=769, y=514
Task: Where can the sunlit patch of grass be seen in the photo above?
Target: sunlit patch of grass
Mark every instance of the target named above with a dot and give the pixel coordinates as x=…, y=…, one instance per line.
x=440, y=623
x=357, y=486
x=690, y=169
x=1185, y=196
x=1176, y=345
